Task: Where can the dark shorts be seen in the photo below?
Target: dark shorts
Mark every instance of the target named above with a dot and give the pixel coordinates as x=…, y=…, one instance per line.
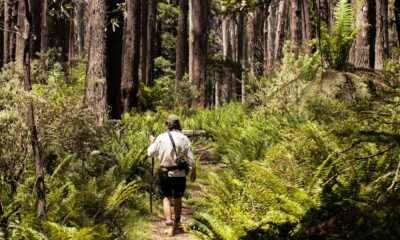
x=172, y=187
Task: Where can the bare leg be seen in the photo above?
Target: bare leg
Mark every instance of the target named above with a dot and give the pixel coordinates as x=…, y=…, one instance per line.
x=167, y=208
x=178, y=208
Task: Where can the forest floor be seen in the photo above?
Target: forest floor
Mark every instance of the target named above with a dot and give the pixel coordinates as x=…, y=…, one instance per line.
x=158, y=226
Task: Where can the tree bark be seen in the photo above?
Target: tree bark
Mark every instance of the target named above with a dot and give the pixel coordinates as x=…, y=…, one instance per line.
x=130, y=56
x=79, y=8
x=182, y=43
x=19, y=54
x=270, y=37
x=280, y=31
x=143, y=41
x=96, y=85
x=295, y=25
x=397, y=18
x=198, y=42
x=44, y=39
x=362, y=52
x=40, y=184
x=35, y=8
x=7, y=30
x=151, y=40
x=382, y=33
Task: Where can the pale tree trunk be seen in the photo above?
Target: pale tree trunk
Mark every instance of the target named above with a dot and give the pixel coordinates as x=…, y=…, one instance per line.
x=151, y=33
x=227, y=51
x=13, y=32
x=40, y=184
x=197, y=70
x=143, y=41
x=19, y=54
x=256, y=54
x=79, y=8
x=44, y=38
x=382, y=33
x=182, y=43
x=131, y=56
x=295, y=25
x=96, y=84
x=271, y=36
x=280, y=31
x=7, y=31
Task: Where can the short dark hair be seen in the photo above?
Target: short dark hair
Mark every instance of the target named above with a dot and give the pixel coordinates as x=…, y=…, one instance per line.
x=175, y=125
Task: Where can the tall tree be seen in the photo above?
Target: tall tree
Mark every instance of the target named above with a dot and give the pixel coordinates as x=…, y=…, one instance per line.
x=7, y=30
x=198, y=45
x=382, y=33
x=44, y=39
x=143, y=41
x=79, y=8
x=131, y=56
x=151, y=40
x=19, y=54
x=296, y=25
x=182, y=46
x=96, y=73
x=362, y=53
x=40, y=184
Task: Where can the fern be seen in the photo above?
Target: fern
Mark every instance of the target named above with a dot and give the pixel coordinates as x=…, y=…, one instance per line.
x=122, y=193
x=334, y=46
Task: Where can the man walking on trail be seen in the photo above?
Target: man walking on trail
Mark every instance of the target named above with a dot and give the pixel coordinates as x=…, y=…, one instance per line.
x=176, y=157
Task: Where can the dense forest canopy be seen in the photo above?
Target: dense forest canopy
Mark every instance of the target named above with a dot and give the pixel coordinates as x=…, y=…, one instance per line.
x=298, y=100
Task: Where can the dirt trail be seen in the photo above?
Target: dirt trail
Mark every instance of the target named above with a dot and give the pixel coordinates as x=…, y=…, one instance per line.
x=158, y=228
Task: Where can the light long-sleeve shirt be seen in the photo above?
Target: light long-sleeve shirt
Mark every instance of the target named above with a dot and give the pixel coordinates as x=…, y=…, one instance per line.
x=163, y=149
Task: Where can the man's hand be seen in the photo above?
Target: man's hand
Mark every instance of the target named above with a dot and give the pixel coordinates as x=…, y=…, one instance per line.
x=152, y=139
x=193, y=175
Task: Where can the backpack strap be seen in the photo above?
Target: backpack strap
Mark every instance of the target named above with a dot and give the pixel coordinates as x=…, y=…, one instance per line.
x=173, y=144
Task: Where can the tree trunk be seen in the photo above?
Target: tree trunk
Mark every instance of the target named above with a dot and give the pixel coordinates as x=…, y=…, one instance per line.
x=397, y=18
x=130, y=56
x=19, y=54
x=182, y=42
x=40, y=184
x=280, y=31
x=79, y=8
x=151, y=33
x=271, y=36
x=35, y=8
x=95, y=85
x=13, y=34
x=308, y=28
x=295, y=25
x=227, y=53
x=44, y=39
x=143, y=41
x=7, y=30
x=362, y=53
x=2, y=23
x=382, y=33
x=198, y=42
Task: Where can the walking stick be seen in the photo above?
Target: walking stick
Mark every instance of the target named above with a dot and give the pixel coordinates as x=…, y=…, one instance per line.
x=151, y=180
x=151, y=185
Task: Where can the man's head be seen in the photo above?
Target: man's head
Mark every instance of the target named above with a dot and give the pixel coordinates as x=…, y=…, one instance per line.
x=173, y=123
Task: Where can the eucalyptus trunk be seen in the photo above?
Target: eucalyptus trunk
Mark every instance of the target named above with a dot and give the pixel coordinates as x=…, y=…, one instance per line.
x=198, y=42
x=151, y=41
x=131, y=56
x=96, y=73
x=182, y=44
x=40, y=184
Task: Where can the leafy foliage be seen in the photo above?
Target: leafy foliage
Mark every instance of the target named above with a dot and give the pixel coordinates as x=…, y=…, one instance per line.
x=334, y=45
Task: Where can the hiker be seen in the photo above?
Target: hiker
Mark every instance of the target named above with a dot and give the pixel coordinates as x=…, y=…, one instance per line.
x=176, y=158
